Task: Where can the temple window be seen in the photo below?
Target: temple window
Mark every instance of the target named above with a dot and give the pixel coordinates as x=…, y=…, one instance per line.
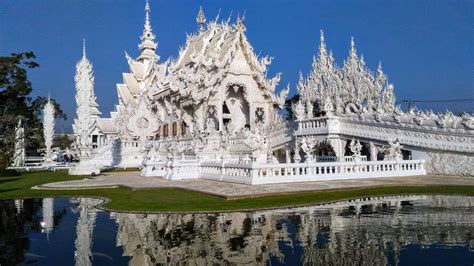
x=165, y=130
x=183, y=128
x=175, y=129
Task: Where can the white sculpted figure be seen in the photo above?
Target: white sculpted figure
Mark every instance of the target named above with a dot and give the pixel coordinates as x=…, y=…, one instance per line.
x=299, y=110
x=19, y=155
x=355, y=147
x=394, y=151
x=308, y=145
x=256, y=142
x=238, y=116
x=254, y=139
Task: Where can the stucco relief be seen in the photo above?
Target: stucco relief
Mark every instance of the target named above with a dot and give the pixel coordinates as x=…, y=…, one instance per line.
x=450, y=164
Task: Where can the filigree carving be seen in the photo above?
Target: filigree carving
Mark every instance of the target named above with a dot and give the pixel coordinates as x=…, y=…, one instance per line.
x=143, y=123
x=299, y=110
x=450, y=164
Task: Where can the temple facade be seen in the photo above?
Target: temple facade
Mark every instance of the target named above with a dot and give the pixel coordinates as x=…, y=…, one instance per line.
x=214, y=113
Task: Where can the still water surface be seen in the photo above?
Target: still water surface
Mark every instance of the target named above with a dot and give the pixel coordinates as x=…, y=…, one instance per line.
x=402, y=230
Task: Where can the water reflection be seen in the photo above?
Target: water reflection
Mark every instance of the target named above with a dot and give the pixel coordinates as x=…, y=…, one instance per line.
x=370, y=231
x=84, y=230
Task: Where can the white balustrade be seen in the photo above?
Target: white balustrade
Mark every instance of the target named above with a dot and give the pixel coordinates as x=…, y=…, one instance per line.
x=352, y=158
x=268, y=173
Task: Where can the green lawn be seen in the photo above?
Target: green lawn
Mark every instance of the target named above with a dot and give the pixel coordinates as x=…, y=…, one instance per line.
x=178, y=200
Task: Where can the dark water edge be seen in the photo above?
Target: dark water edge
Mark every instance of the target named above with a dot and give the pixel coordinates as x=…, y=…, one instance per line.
x=402, y=230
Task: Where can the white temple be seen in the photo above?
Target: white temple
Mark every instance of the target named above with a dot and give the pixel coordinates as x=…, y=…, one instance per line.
x=214, y=113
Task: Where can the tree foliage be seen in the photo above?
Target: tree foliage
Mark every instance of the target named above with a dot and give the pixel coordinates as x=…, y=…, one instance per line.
x=16, y=103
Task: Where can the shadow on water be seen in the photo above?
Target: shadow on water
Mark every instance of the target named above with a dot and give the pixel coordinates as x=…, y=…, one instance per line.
x=435, y=230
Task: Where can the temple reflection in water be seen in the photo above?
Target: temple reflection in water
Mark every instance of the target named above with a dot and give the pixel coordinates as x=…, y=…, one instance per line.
x=369, y=231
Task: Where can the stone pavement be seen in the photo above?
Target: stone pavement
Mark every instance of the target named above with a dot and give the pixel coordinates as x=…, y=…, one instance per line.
x=234, y=190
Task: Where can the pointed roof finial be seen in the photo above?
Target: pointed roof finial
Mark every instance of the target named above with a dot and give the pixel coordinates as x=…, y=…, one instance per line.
x=240, y=23
x=84, y=47
x=148, y=44
x=201, y=19
x=353, y=49
x=322, y=47
x=147, y=13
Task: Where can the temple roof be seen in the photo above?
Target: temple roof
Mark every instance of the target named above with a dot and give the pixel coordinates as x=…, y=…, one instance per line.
x=208, y=56
x=107, y=125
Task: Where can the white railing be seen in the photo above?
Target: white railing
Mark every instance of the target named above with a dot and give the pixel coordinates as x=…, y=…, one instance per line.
x=283, y=173
x=256, y=173
x=325, y=158
x=313, y=123
x=300, y=172
x=352, y=158
x=182, y=169
x=315, y=126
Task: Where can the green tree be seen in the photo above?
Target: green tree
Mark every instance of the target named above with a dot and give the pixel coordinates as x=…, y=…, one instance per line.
x=16, y=103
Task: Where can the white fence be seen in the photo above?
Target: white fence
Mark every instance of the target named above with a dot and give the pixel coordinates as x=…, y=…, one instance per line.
x=284, y=173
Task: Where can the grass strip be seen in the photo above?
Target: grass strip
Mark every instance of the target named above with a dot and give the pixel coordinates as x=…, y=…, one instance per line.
x=179, y=200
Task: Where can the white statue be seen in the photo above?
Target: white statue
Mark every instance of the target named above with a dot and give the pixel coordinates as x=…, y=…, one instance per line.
x=19, y=155
x=394, y=151
x=355, y=147
x=308, y=145
x=238, y=120
x=255, y=140
x=299, y=110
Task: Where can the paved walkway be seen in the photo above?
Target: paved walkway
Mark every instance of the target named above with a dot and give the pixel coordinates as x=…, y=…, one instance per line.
x=234, y=190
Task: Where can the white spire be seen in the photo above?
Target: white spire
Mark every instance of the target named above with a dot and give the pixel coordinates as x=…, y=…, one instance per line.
x=84, y=48
x=86, y=105
x=322, y=38
x=322, y=48
x=48, y=129
x=353, y=49
x=148, y=44
x=201, y=19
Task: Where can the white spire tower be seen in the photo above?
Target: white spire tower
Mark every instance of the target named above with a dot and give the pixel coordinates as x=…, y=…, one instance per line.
x=148, y=44
x=48, y=129
x=86, y=106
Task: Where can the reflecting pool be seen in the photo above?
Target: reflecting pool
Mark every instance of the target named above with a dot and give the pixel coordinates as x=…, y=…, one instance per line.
x=398, y=230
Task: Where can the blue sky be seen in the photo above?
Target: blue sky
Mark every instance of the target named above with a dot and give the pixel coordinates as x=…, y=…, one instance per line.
x=425, y=46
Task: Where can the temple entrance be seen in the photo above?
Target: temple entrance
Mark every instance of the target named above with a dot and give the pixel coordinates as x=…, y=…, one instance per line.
x=235, y=109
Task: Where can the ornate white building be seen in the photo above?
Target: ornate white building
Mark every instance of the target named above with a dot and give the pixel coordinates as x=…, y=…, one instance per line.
x=214, y=113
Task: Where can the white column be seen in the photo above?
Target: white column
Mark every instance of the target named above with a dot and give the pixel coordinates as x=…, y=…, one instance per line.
x=339, y=146
x=373, y=151
x=287, y=154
